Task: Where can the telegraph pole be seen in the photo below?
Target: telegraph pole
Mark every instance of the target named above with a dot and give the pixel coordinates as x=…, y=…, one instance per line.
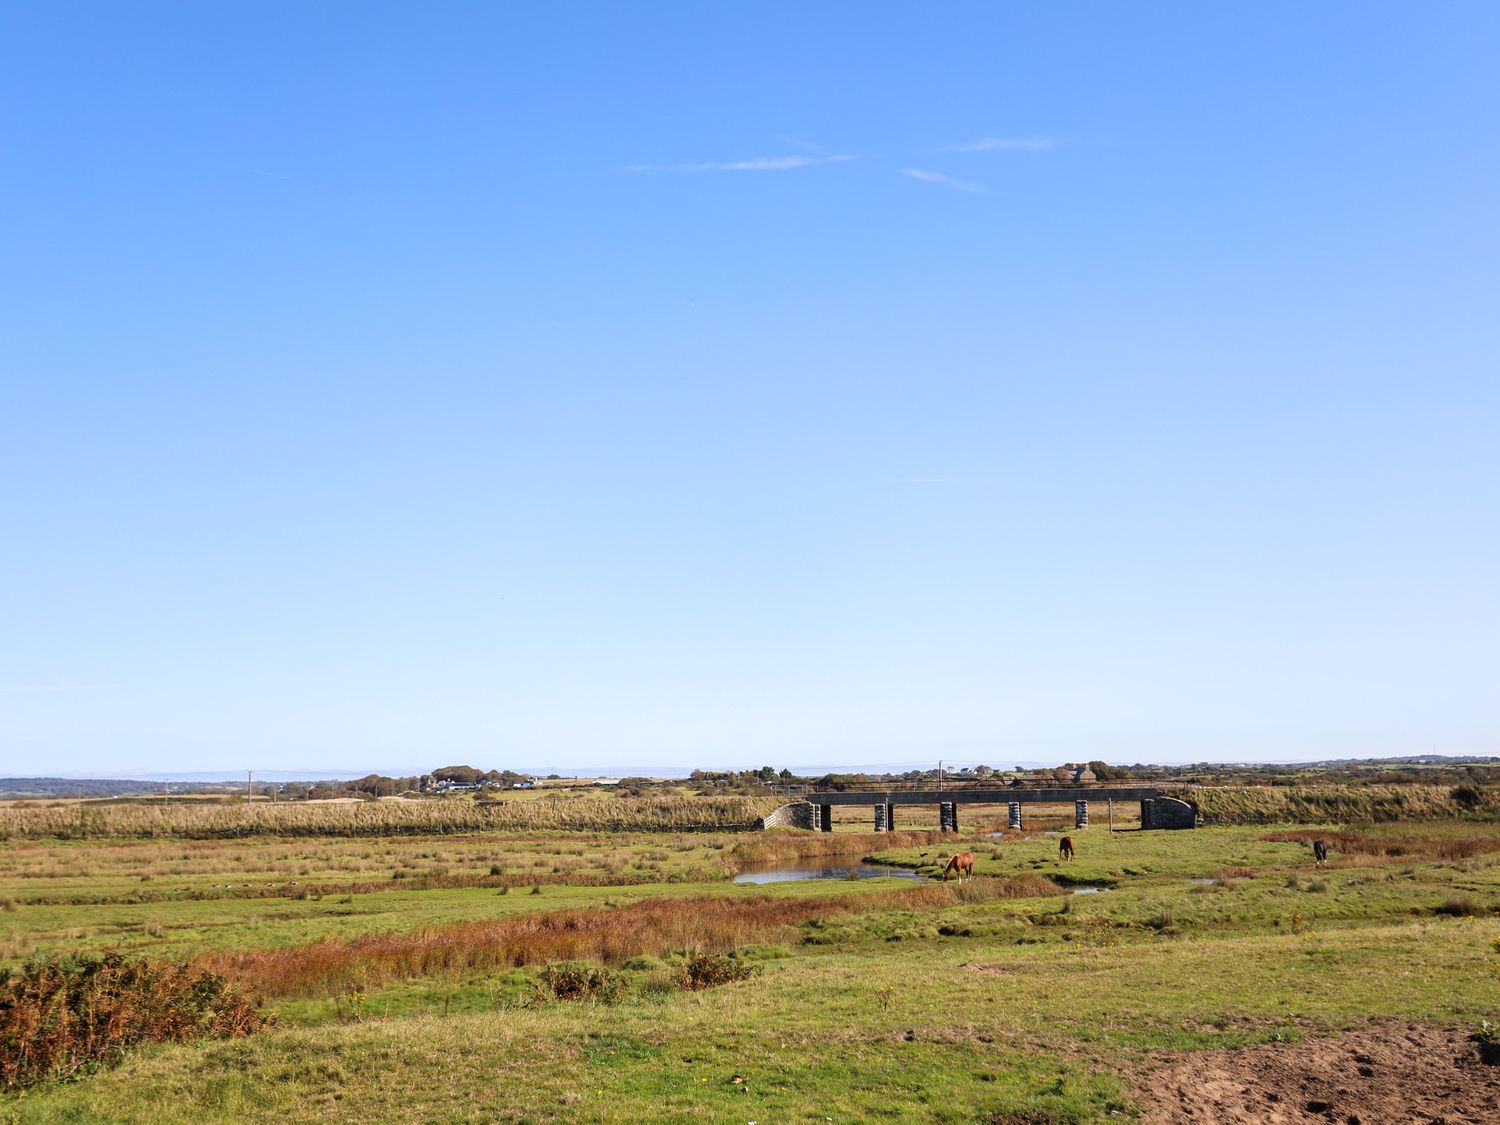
x=940, y=775
x=249, y=785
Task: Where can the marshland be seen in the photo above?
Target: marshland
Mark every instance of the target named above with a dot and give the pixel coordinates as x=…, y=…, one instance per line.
x=590, y=970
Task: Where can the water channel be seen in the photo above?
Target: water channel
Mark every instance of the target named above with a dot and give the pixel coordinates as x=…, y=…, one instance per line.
x=826, y=867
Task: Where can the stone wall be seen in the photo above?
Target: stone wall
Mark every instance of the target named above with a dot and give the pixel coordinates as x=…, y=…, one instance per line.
x=798, y=814
x=1168, y=812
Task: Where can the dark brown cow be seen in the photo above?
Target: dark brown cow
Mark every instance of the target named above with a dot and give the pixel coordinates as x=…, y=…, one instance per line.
x=1320, y=852
x=1065, y=848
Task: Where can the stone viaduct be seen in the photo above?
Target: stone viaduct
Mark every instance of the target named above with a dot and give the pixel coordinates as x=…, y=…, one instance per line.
x=816, y=812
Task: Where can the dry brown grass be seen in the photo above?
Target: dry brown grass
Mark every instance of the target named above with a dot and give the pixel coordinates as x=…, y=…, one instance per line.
x=713, y=924
x=383, y=818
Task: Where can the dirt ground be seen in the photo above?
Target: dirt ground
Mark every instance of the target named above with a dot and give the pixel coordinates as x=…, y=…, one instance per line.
x=1390, y=1072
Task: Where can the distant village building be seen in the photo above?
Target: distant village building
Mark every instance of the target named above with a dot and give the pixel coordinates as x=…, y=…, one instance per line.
x=1082, y=774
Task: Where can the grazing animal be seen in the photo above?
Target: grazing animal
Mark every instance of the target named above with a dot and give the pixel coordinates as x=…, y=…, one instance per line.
x=962, y=865
x=1065, y=848
x=1320, y=852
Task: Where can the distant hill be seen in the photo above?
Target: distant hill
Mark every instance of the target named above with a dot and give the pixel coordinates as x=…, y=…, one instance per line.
x=13, y=787
x=1412, y=760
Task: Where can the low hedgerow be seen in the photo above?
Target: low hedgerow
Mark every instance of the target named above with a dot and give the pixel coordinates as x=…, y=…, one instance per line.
x=60, y=1017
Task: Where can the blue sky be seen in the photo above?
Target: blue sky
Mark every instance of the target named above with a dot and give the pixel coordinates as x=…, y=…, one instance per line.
x=596, y=385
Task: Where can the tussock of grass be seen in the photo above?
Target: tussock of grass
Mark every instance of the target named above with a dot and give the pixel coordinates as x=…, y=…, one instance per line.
x=1461, y=906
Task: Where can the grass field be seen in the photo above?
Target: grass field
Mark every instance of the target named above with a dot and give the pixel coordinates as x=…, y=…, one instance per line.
x=416, y=997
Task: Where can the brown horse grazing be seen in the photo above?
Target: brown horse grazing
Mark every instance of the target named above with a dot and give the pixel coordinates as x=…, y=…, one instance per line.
x=1320, y=852
x=962, y=865
x=1065, y=848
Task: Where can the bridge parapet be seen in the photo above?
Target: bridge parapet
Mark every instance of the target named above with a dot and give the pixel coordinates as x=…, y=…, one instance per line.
x=1058, y=796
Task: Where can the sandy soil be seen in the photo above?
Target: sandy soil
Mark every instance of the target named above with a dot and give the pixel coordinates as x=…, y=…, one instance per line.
x=1390, y=1072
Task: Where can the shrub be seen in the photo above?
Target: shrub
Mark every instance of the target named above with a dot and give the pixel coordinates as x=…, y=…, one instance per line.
x=1466, y=797
x=58, y=1017
x=710, y=970
x=580, y=981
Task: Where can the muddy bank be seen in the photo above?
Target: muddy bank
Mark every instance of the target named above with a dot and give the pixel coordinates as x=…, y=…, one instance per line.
x=1389, y=1072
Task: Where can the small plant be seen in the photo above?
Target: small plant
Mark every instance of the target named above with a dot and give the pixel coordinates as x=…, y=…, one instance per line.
x=1162, y=920
x=707, y=970
x=1488, y=1038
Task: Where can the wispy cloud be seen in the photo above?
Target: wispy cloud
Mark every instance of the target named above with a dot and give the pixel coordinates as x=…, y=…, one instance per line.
x=269, y=175
x=754, y=164
x=939, y=178
x=936, y=480
x=1007, y=144
x=52, y=689
x=798, y=142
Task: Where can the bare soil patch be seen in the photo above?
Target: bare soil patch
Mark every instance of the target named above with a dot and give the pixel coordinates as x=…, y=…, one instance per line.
x=1390, y=1072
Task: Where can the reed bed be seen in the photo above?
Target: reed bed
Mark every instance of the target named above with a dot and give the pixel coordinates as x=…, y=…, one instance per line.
x=1324, y=804
x=384, y=818
x=654, y=927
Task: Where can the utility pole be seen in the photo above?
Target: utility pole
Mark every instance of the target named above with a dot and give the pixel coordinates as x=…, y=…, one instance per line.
x=940, y=775
x=249, y=785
